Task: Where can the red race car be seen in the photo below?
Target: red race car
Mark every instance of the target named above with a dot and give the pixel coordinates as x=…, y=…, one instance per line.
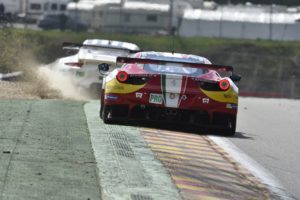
x=170, y=87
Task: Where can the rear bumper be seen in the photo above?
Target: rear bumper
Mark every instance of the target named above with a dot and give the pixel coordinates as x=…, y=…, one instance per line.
x=175, y=116
x=192, y=103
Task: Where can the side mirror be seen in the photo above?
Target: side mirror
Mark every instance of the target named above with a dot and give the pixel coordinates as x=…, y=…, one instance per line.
x=235, y=77
x=103, y=68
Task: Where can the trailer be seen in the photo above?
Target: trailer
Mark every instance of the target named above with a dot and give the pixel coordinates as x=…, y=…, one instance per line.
x=34, y=9
x=128, y=16
x=12, y=6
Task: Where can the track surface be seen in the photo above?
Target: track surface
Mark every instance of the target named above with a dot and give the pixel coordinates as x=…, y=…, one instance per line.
x=45, y=151
x=201, y=169
x=269, y=132
x=197, y=166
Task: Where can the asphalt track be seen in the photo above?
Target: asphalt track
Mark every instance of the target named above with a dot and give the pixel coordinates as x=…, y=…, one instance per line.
x=192, y=163
x=269, y=132
x=45, y=151
x=50, y=150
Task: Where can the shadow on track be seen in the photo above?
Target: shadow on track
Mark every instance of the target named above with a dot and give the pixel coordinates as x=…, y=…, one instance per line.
x=242, y=135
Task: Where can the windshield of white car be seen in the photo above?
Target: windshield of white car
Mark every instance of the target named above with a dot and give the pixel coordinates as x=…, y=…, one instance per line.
x=172, y=68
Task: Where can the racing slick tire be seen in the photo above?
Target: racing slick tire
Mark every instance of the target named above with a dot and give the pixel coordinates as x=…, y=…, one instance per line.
x=104, y=114
x=101, y=104
x=101, y=109
x=107, y=115
x=111, y=114
x=230, y=130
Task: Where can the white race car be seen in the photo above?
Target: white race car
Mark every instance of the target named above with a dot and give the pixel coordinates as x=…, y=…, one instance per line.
x=83, y=65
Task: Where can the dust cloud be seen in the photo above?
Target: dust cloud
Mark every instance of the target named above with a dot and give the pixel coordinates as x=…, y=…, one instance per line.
x=42, y=82
x=55, y=80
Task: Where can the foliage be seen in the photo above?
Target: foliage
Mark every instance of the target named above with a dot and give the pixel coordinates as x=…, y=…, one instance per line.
x=46, y=46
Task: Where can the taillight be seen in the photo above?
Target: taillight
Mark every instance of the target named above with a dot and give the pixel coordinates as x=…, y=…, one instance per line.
x=74, y=64
x=224, y=84
x=122, y=76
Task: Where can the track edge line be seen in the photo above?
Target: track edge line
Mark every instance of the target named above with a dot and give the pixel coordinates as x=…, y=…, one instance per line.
x=276, y=189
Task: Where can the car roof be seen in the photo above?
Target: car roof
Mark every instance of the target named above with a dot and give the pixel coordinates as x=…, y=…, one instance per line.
x=112, y=43
x=170, y=56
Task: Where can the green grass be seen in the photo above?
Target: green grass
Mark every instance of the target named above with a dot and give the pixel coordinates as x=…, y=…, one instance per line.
x=46, y=46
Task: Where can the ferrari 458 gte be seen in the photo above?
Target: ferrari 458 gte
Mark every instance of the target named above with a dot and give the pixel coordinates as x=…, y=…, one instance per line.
x=171, y=88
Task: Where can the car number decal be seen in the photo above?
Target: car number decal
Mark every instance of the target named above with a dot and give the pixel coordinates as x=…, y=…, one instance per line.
x=156, y=98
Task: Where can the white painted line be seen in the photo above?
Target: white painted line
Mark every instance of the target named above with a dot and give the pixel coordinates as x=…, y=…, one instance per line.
x=278, y=192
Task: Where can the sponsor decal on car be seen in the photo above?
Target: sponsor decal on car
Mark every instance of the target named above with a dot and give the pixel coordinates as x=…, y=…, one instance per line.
x=205, y=100
x=139, y=95
x=184, y=97
x=156, y=98
x=172, y=96
x=111, y=97
x=231, y=106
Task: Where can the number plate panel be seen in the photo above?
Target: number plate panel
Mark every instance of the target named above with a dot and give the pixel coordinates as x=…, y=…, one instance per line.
x=156, y=98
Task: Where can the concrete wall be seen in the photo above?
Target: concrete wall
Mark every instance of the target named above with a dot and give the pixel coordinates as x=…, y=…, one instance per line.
x=247, y=30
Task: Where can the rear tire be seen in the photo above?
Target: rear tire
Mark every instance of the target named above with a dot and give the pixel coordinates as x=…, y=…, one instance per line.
x=101, y=110
x=230, y=130
x=101, y=104
x=105, y=115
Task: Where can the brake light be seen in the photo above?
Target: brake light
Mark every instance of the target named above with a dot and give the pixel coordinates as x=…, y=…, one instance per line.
x=224, y=84
x=74, y=64
x=122, y=76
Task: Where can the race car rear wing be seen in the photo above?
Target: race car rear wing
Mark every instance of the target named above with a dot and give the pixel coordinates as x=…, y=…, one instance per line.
x=77, y=46
x=190, y=64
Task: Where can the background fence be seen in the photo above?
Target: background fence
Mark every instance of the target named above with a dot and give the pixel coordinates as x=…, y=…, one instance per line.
x=264, y=75
x=239, y=30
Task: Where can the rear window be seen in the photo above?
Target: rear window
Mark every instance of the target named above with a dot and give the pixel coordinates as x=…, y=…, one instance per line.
x=171, y=68
x=189, y=59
